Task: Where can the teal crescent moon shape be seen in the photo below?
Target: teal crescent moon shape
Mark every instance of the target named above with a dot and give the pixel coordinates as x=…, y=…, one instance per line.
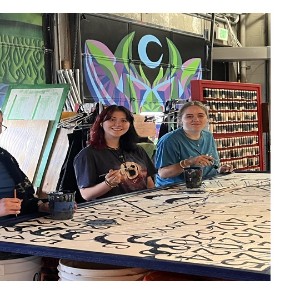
x=142, y=50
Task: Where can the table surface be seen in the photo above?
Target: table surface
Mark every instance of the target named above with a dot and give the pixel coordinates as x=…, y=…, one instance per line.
x=221, y=230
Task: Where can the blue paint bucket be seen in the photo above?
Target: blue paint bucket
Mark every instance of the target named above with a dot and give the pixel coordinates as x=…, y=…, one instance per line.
x=61, y=204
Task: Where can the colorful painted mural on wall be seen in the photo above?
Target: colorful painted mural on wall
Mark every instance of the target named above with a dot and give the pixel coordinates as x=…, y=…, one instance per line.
x=134, y=65
x=21, y=50
x=138, y=66
x=112, y=79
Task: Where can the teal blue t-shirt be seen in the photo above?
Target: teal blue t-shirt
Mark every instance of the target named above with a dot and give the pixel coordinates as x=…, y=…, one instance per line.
x=176, y=146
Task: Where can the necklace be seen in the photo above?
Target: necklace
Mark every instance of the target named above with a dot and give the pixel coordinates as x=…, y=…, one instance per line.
x=191, y=137
x=194, y=141
x=118, y=154
x=111, y=148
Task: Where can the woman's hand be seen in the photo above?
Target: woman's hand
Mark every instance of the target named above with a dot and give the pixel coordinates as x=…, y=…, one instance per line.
x=200, y=160
x=113, y=177
x=43, y=207
x=10, y=206
x=226, y=168
x=111, y=180
x=176, y=169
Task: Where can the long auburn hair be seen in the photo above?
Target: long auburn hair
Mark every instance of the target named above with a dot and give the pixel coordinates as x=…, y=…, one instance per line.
x=97, y=135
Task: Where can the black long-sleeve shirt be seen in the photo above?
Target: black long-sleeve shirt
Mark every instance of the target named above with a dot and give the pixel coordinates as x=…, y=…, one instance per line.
x=22, y=185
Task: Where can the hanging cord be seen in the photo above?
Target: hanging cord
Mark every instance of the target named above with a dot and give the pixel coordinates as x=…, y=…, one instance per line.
x=77, y=20
x=233, y=37
x=212, y=30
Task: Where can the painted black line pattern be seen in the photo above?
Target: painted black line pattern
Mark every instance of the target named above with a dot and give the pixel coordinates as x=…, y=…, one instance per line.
x=227, y=224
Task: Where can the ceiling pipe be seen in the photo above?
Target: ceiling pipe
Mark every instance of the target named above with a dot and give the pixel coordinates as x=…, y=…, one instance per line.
x=243, y=42
x=212, y=31
x=218, y=18
x=268, y=64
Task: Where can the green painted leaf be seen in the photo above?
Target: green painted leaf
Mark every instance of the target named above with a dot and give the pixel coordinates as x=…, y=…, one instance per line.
x=144, y=77
x=190, y=69
x=124, y=49
x=174, y=57
x=159, y=76
x=107, y=63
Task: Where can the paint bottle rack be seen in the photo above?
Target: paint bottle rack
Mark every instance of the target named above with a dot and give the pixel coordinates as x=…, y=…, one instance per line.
x=235, y=119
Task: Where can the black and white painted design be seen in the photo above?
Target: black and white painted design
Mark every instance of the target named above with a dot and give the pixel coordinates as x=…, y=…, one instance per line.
x=225, y=224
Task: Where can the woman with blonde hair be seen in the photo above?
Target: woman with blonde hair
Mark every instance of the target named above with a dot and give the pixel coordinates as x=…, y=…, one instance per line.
x=189, y=145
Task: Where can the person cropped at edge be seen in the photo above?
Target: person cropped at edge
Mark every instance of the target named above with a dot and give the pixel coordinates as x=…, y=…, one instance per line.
x=186, y=146
x=113, y=163
x=16, y=191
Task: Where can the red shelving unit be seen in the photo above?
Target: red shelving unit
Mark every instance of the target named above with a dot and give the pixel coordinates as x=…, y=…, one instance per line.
x=235, y=119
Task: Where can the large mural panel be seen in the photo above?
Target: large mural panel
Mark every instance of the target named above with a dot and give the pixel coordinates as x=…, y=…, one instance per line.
x=224, y=226
x=137, y=66
x=21, y=50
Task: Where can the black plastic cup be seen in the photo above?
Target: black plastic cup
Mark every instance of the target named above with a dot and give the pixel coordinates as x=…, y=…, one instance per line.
x=193, y=177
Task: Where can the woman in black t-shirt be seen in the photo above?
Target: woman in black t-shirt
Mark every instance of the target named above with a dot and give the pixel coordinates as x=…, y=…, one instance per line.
x=113, y=163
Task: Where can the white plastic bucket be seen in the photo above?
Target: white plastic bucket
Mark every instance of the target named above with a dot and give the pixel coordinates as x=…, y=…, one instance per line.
x=70, y=270
x=20, y=269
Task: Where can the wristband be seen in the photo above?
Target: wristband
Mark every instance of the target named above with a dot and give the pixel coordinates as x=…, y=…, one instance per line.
x=186, y=166
x=109, y=184
x=181, y=164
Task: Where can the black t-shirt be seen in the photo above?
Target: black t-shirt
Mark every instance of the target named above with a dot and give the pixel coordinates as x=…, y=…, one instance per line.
x=135, y=167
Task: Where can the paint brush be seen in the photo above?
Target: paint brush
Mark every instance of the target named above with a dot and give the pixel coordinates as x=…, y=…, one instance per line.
x=102, y=175
x=15, y=196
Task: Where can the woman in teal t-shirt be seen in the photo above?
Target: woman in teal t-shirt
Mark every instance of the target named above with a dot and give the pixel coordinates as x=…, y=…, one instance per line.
x=188, y=145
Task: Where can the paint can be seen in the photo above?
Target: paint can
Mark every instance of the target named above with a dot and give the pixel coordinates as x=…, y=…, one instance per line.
x=61, y=204
x=19, y=267
x=70, y=270
x=193, y=177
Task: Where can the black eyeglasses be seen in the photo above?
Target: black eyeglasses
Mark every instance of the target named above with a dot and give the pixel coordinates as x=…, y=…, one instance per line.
x=3, y=127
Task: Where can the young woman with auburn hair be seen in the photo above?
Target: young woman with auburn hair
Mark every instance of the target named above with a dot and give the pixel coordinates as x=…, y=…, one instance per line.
x=113, y=163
